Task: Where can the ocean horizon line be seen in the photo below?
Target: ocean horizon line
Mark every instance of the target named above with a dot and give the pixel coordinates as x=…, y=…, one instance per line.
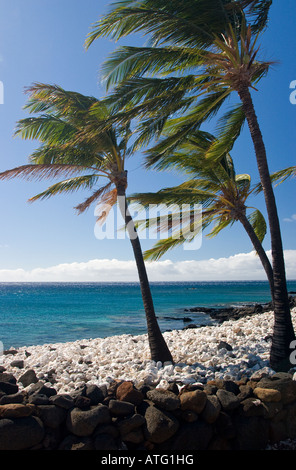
x=242, y=281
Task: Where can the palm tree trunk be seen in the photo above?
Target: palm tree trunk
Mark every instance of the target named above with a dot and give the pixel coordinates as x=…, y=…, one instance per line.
x=260, y=251
x=158, y=347
x=283, y=332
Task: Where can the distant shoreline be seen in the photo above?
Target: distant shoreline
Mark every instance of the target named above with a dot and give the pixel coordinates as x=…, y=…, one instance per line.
x=221, y=314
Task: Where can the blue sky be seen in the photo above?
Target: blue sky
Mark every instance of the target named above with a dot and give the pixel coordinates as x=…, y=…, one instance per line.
x=42, y=41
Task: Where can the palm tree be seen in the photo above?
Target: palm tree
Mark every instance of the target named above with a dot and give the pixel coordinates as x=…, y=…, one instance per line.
x=75, y=148
x=183, y=80
x=217, y=188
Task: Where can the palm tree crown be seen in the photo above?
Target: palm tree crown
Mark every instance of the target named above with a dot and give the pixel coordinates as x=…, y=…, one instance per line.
x=76, y=145
x=216, y=187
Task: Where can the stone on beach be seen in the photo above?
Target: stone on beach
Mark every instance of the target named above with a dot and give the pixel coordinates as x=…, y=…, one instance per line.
x=83, y=422
x=230, y=350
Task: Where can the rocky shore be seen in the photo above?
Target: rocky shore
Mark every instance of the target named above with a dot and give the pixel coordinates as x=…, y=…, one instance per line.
x=105, y=393
x=222, y=314
x=250, y=414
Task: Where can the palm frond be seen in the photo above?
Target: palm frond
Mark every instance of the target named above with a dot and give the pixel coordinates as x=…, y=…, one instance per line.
x=161, y=247
x=67, y=154
x=39, y=172
x=282, y=175
x=228, y=130
x=278, y=177
x=220, y=225
x=127, y=62
x=82, y=207
x=53, y=98
x=46, y=128
x=258, y=223
x=105, y=205
x=163, y=23
x=66, y=186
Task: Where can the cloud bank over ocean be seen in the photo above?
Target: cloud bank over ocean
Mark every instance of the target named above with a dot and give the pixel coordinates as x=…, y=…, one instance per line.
x=242, y=266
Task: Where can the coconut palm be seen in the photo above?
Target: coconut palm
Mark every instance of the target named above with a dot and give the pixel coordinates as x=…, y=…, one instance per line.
x=76, y=149
x=182, y=80
x=217, y=188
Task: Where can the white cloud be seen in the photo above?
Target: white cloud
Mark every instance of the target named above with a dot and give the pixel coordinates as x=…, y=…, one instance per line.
x=242, y=266
x=290, y=219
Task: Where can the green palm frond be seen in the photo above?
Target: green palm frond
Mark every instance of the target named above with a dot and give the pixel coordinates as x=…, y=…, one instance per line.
x=140, y=95
x=228, y=130
x=54, y=99
x=190, y=22
x=46, y=128
x=281, y=175
x=69, y=155
x=127, y=62
x=258, y=223
x=258, y=11
x=199, y=49
x=161, y=247
x=278, y=177
x=220, y=225
x=161, y=21
x=77, y=144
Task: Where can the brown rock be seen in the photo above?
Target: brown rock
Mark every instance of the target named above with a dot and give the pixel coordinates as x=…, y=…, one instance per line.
x=286, y=386
x=267, y=394
x=16, y=410
x=127, y=392
x=194, y=401
x=212, y=409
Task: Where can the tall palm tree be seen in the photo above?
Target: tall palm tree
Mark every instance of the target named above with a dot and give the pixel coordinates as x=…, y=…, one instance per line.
x=217, y=188
x=182, y=80
x=77, y=147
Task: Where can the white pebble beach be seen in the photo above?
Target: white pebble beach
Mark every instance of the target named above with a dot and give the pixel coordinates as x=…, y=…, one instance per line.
x=197, y=358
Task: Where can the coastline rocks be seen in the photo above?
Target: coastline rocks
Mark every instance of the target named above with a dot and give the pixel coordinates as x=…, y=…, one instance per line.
x=164, y=399
x=15, y=410
x=28, y=378
x=121, y=408
x=126, y=391
x=20, y=434
x=222, y=314
x=193, y=401
x=232, y=349
x=83, y=422
x=248, y=414
x=109, y=395
x=160, y=425
x=228, y=400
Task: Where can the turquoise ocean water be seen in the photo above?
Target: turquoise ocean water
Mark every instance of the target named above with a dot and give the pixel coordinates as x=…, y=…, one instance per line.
x=33, y=313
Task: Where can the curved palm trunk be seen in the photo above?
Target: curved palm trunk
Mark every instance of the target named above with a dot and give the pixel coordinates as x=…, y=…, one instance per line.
x=158, y=347
x=261, y=252
x=283, y=332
